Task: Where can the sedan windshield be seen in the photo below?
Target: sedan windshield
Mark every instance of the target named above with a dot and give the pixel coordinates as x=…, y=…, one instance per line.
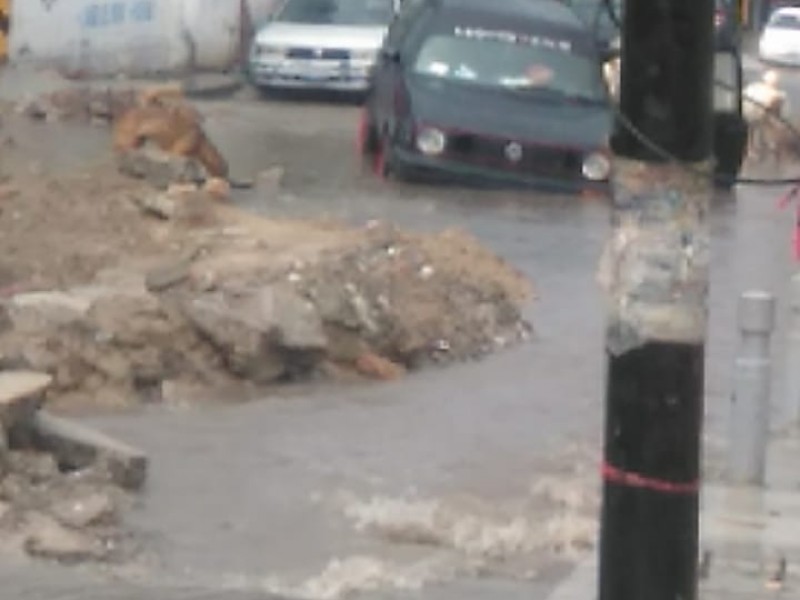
x=785, y=21
x=549, y=67
x=336, y=12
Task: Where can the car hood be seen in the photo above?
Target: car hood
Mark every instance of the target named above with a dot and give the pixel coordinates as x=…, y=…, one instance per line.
x=507, y=114
x=322, y=36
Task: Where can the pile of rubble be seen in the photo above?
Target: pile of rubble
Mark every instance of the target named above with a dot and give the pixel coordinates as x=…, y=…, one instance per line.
x=125, y=292
x=87, y=104
x=62, y=486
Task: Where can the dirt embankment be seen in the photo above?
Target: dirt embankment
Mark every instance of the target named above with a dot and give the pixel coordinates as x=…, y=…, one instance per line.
x=126, y=291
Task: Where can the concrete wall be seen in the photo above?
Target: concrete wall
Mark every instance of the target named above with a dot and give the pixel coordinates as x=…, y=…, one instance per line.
x=213, y=28
x=261, y=9
x=135, y=37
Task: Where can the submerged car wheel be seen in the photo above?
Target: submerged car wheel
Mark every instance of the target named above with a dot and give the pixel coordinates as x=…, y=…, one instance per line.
x=367, y=137
x=386, y=163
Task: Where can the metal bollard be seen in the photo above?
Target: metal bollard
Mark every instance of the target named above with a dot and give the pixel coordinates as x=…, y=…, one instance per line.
x=791, y=379
x=750, y=404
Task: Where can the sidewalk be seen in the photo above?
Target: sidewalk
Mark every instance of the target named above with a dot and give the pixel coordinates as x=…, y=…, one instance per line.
x=747, y=533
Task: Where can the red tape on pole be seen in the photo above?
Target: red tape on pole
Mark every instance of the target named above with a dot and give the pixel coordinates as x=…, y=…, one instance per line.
x=614, y=475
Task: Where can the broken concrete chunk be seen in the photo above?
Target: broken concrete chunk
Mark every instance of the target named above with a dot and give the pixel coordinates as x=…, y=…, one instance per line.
x=76, y=447
x=294, y=321
x=263, y=333
x=166, y=276
x=21, y=396
x=84, y=510
x=47, y=538
x=159, y=168
x=238, y=335
x=158, y=205
x=39, y=310
x=35, y=109
x=217, y=188
x=188, y=206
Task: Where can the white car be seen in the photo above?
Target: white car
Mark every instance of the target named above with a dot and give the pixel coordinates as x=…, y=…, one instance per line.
x=320, y=44
x=780, y=40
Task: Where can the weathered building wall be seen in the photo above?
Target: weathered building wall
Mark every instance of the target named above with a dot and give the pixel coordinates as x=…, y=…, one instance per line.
x=126, y=36
x=261, y=9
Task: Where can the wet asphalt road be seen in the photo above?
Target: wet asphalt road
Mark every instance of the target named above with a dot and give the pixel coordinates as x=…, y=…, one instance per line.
x=245, y=492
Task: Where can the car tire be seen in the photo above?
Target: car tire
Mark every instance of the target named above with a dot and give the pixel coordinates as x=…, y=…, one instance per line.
x=386, y=163
x=382, y=158
x=367, y=136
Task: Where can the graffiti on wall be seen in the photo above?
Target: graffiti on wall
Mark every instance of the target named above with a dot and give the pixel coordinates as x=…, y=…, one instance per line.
x=117, y=12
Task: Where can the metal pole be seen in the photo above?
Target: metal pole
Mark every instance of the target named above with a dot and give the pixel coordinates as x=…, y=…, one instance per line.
x=792, y=365
x=747, y=450
x=656, y=274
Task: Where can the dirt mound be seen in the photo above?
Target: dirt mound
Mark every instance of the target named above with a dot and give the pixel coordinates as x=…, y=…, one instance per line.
x=125, y=293
x=416, y=298
x=60, y=232
x=62, y=485
x=80, y=103
x=65, y=516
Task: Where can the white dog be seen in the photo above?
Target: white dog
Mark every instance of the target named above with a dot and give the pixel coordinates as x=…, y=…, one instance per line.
x=763, y=107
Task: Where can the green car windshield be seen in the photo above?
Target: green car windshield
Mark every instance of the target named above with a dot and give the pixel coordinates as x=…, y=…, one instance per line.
x=515, y=66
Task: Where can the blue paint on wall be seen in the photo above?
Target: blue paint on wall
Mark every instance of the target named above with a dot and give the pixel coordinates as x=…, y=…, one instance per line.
x=99, y=15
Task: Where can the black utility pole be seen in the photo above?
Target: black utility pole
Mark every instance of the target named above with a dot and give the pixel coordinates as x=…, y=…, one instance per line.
x=655, y=270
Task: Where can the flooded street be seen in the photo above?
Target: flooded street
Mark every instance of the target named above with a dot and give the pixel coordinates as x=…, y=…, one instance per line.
x=249, y=499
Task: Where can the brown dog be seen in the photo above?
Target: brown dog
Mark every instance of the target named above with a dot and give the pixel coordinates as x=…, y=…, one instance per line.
x=172, y=126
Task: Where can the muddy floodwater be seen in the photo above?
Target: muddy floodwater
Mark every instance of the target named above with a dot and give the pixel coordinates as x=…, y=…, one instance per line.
x=471, y=480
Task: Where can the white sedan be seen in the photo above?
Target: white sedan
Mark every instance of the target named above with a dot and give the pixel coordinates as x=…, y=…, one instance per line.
x=320, y=44
x=780, y=40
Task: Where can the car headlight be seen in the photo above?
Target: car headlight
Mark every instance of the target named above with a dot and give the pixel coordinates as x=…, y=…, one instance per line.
x=431, y=141
x=596, y=166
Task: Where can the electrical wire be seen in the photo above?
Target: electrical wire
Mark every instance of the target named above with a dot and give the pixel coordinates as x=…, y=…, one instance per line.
x=607, y=6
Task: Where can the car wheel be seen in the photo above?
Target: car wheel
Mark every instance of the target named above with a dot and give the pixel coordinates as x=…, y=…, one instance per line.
x=382, y=158
x=367, y=137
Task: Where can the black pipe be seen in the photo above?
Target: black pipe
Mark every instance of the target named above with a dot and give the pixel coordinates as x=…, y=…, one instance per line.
x=654, y=391
x=666, y=89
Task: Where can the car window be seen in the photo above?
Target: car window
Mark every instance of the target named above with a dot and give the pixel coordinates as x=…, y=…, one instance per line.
x=785, y=21
x=518, y=66
x=336, y=12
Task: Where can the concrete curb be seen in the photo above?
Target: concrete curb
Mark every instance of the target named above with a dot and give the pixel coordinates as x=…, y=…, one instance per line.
x=77, y=446
x=21, y=395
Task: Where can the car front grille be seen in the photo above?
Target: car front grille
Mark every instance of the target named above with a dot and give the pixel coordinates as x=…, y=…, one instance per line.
x=318, y=53
x=534, y=159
